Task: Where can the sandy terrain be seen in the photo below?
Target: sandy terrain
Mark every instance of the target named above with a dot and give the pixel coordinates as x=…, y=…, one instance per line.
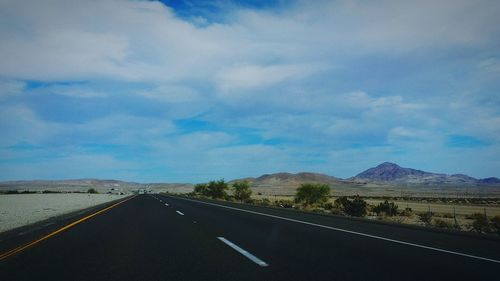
x=18, y=210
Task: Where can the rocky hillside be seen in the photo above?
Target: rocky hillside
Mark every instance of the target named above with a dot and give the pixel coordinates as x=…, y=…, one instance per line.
x=394, y=174
x=289, y=180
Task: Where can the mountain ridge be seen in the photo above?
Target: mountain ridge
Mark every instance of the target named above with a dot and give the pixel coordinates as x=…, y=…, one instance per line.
x=386, y=173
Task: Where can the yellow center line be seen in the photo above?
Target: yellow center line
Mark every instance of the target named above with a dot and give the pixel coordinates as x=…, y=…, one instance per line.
x=21, y=248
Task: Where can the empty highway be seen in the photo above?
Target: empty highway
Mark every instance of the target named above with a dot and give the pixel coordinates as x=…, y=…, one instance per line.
x=156, y=237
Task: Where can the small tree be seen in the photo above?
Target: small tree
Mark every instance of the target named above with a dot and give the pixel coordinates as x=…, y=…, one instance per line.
x=389, y=208
x=241, y=190
x=217, y=189
x=92, y=191
x=312, y=193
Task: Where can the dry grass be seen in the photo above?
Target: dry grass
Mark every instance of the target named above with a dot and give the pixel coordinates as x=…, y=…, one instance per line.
x=442, y=208
x=437, y=208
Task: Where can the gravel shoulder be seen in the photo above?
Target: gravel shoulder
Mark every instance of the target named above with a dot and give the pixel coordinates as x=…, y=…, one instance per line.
x=22, y=209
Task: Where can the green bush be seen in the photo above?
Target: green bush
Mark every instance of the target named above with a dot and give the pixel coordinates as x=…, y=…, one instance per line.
x=355, y=207
x=386, y=207
x=214, y=189
x=217, y=189
x=312, y=193
x=241, y=190
x=201, y=189
x=92, y=191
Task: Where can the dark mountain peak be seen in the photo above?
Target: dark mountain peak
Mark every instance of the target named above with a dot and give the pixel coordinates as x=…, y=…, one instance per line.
x=388, y=165
x=388, y=171
x=491, y=180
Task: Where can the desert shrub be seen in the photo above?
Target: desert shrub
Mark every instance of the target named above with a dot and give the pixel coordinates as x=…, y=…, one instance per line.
x=263, y=202
x=27, y=192
x=241, y=190
x=53, y=191
x=406, y=212
x=318, y=210
x=92, y=191
x=480, y=223
x=442, y=223
x=340, y=202
x=426, y=217
x=355, y=207
x=335, y=211
x=201, y=189
x=386, y=207
x=328, y=206
x=284, y=203
x=312, y=193
x=495, y=224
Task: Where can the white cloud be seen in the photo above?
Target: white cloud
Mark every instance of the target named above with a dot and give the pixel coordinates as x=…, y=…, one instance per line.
x=171, y=93
x=143, y=40
x=255, y=76
x=281, y=74
x=19, y=124
x=77, y=91
x=10, y=88
x=74, y=165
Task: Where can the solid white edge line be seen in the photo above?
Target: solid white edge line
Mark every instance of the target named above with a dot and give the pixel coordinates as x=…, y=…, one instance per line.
x=350, y=231
x=180, y=213
x=243, y=252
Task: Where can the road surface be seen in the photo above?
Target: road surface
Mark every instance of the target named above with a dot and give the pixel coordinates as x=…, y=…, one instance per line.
x=155, y=237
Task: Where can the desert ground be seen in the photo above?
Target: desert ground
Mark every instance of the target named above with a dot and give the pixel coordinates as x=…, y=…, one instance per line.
x=492, y=209
x=22, y=209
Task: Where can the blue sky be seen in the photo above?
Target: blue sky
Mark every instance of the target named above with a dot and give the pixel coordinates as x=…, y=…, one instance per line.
x=188, y=91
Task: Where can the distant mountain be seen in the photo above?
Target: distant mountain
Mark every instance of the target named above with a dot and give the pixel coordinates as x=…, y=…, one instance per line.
x=289, y=180
x=491, y=180
x=299, y=177
x=68, y=185
x=394, y=174
x=385, y=175
x=390, y=172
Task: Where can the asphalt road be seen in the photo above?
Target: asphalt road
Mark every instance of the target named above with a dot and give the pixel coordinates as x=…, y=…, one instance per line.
x=153, y=237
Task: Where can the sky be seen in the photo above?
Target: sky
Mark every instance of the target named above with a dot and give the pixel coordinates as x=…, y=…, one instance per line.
x=189, y=91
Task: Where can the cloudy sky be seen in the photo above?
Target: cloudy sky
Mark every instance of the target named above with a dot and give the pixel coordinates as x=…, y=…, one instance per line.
x=196, y=90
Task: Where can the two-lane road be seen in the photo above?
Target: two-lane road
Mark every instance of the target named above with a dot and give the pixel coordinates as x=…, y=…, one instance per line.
x=153, y=237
